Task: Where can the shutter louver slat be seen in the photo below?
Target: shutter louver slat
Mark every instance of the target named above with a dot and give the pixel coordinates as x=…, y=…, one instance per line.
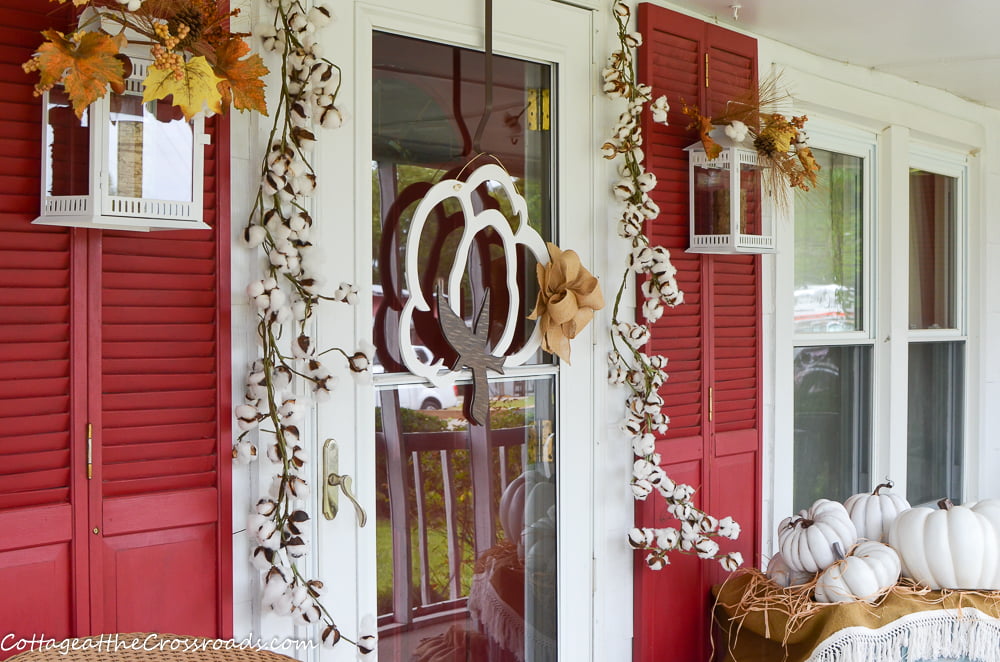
x=156, y=433
x=735, y=342
x=34, y=296
x=159, y=349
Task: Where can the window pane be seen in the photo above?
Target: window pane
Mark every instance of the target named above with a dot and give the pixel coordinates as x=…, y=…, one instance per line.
x=936, y=423
x=832, y=423
x=150, y=150
x=932, y=251
x=67, y=146
x=428, y=101
x=468, y=512
x=829, y=239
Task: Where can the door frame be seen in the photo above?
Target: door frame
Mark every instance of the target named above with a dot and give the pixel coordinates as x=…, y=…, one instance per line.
x=345, y=553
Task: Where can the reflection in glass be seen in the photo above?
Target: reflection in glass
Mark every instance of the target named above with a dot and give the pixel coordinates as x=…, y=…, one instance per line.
x=427, y=102
x=832, y=423
x=828, y=247
x=936, y=422
x=932, y=250
x=150, y=150
x=67, y=146
x=466, y=526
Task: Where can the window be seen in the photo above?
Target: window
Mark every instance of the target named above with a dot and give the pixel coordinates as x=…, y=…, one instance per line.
x=936, y=352
x=465, y=511
x=833, y=354
x=853, y=352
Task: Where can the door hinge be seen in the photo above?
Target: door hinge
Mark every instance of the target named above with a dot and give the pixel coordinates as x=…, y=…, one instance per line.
x=538, y=110
x=711, y=404
x=90, y=451
x=706, y=69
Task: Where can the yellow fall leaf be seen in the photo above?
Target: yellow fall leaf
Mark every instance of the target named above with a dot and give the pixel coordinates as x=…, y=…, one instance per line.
x=197, y=90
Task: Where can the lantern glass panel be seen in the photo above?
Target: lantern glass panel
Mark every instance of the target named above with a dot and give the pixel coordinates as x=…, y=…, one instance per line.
x=750, y=202
x=67, y=147
x=149, y=150
x=711, y=200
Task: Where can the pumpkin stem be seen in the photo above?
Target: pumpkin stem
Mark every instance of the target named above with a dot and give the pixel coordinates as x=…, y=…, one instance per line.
x=887, y=484
x=806, y=523
x=945, y=504
x=838, y=551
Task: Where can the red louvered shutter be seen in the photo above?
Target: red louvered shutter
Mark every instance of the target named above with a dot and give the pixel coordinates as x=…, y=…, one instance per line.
x=128, y=332
x=159, y=428
x=712, y=341
x=36, y=372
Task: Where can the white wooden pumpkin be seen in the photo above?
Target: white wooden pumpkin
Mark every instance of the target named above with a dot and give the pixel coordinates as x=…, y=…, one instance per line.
x=990, y=509
x=953, y=547
x=806, y=541
x=866, y=573
x=873, y=514
x=779, y=572
x=512, y=509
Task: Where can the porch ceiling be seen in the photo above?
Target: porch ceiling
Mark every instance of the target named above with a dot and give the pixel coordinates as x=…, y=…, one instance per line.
x=952, y=46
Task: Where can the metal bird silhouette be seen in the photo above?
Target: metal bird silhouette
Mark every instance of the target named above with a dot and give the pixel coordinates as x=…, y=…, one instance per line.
x=473, y=351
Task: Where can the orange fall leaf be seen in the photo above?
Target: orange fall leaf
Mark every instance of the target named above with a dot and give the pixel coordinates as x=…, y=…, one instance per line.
x=242, y=83
x=85, y=67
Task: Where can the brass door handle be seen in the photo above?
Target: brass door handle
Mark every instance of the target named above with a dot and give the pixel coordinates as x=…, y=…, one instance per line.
x=335, y=480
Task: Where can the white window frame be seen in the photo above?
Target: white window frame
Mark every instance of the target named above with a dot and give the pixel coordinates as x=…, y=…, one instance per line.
x=834, y=137
x=885, y=315
x=949, y=163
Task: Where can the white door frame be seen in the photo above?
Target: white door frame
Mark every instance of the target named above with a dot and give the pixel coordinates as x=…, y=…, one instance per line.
x=345, y=555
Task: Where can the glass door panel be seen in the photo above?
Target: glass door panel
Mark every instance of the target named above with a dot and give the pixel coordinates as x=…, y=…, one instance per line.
x=465, y=512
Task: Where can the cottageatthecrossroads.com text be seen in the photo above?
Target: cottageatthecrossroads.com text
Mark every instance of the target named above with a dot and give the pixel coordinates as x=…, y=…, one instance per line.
x=147, y=642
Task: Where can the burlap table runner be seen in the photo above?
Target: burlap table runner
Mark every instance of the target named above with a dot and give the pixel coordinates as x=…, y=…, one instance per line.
x=758, y=621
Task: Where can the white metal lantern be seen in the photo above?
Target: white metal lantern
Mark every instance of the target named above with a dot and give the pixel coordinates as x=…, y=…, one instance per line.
x=125, y=164
x=729, y=213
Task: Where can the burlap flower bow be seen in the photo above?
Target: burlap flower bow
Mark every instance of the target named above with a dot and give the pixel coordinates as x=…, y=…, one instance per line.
x=567, y=298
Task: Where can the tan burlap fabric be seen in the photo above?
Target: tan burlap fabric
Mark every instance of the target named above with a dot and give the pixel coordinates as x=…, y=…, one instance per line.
x=761, y=622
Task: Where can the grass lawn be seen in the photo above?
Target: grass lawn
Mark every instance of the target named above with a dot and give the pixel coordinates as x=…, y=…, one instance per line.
x=437, y=543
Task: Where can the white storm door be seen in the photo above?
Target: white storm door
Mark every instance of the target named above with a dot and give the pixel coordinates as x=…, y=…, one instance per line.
x=442, y=561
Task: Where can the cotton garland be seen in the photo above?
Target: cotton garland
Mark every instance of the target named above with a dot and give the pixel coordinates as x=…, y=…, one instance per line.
x=627, y=364
x=284, y=300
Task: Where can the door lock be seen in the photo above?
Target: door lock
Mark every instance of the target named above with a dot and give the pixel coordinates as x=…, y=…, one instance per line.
x=334, y=480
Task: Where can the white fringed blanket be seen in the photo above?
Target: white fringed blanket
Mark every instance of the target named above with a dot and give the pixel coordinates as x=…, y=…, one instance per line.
x=946, y=633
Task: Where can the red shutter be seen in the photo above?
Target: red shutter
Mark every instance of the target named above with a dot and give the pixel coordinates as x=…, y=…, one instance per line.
x=36, y=375
x=159, y=427
x=712, y=341
x=129, y=332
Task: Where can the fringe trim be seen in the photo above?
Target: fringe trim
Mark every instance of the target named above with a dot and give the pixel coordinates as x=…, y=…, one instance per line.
x=502, y=623
x=945, y=633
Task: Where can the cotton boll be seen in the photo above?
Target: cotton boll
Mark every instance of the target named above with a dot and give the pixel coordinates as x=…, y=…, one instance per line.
x=331, y=118
x=283, y=605
x=244, y=452
x=652, y=310
x=254, y=236
x=330, y=636
x=641, y=489
x=261, y=558
x=266, y=507
x=737, y=131
x=320, y=16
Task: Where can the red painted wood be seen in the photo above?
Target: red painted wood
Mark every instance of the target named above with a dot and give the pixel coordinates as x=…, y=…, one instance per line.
x=712, y=341
x=220, y=205
x=178, y=597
